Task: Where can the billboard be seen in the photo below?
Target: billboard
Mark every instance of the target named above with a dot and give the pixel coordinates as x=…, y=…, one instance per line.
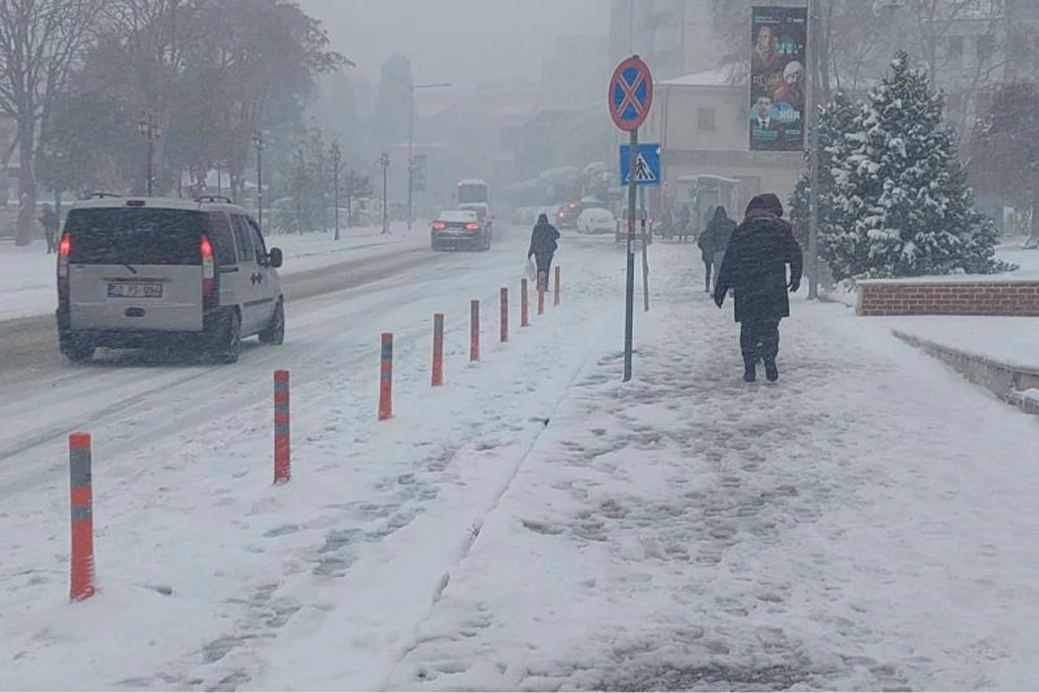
x=778, y=78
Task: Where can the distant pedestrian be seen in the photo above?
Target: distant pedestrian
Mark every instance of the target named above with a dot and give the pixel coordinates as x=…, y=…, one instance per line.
x=543, y=245
x=713, y=242
x=754, y=266
x=49, y=220
x=682, y=222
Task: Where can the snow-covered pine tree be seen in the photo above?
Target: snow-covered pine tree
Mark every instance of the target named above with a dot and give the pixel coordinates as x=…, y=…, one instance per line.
x=901, y=203
x=836, y=120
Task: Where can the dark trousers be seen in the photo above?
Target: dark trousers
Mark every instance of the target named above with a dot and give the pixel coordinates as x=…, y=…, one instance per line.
x=544, y=264
x=759, y=339
x=707, y=265
x=51, y=237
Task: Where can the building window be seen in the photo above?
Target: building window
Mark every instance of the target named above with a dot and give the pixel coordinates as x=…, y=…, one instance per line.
x=985, y=46
x=705, y=119
x=956, y=47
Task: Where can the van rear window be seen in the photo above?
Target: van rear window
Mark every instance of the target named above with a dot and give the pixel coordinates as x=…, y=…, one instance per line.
x=141, y=236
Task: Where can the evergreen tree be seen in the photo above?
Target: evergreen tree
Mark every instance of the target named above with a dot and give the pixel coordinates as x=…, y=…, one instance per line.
x=901, y=206
x=836, y=120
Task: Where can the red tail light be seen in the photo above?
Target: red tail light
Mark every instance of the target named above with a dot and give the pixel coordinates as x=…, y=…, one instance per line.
x=439, y=226
x=64, y=250
x=208, y=272
x=472, y=226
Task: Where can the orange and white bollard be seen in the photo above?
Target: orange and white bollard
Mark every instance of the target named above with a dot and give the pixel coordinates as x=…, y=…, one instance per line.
x=386, y=378
x=504, y=314
x=558, y=288
x=524, y=304
x=474, y=330
x=82, y=505
x=438, y=349
x=282, y=441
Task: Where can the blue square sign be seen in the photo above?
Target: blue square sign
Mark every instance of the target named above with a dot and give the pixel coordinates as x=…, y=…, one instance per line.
x=647, y=167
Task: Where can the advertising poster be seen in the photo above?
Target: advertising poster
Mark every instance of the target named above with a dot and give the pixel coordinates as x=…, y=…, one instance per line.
x=778, y=78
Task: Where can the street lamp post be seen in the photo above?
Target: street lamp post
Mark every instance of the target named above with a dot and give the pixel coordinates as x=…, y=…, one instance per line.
x=384, y=161
x=258, y=143
x=149, y=127
x=813, y=143
x=337, y=156
x=411, y=141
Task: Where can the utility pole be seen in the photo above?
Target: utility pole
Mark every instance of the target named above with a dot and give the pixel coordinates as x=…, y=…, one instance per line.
x=384, y=161
x=258, y=143
x=815, y=101
x=411, y=142
x=337, y=156
x=149, y=127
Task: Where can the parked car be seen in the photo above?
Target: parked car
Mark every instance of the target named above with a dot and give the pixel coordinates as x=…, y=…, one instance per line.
x=596, y=220
x=457, y=229
x=160, y=273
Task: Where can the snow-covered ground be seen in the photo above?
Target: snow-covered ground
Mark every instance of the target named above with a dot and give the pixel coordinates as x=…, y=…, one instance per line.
x=27, y=273
x=868, y=522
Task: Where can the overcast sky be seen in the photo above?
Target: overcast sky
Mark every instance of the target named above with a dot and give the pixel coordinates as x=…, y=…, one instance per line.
x=460, y=41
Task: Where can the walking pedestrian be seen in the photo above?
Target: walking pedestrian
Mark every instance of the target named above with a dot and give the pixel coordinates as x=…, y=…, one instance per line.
x=755, y=267
x=49, y=221
x=543, y=245
x=682, y=222
x=713, y=242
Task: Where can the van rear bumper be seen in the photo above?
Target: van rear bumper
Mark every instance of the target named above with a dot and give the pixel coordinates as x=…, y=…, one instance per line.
x=140, y=339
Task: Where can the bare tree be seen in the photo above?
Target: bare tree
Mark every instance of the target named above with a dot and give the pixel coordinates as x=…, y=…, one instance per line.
x=40, y=42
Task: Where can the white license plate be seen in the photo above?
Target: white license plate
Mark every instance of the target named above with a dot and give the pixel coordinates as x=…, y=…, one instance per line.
x=134, y=290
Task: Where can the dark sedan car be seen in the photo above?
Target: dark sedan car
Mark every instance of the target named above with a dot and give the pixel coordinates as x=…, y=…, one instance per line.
x=459, y=229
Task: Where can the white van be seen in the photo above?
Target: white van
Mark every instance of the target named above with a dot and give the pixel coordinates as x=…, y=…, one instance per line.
x=165, y=273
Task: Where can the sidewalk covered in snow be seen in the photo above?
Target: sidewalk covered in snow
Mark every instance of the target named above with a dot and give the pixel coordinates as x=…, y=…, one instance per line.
x=868, y=522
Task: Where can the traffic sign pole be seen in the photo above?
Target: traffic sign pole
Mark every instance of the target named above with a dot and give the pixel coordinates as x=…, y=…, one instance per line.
x=629, y=97
x=629, y=295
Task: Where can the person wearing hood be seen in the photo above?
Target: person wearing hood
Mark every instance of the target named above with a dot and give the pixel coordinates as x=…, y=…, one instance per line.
x=543, y=244
x=755, y=267
x=713, y=242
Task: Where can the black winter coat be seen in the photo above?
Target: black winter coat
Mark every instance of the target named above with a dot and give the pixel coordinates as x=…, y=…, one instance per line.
x=543, y=240
x=755, y=268
x=715, y=238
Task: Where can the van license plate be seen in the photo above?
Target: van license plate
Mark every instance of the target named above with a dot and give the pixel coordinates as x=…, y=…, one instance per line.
x=134, y=290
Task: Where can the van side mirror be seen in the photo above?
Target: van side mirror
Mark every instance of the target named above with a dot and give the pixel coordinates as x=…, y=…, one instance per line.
x=274, y=258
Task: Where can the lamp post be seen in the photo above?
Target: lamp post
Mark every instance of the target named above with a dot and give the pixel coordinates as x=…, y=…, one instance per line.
x=258, y=143
x=384, y=161
x=411, y=141
x=337, y=156
x=148, y=126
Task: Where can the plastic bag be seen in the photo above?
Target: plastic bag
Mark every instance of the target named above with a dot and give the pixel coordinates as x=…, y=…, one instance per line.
x=532, y=269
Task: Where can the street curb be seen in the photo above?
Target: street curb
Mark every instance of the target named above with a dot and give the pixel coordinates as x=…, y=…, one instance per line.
x=1007, y=382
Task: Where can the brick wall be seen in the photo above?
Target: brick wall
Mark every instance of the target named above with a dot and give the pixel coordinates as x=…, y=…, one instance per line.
x=1010, y=298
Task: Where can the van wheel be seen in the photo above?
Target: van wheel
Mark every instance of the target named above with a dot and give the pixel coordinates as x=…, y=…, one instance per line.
x=229, y=340
x=77, y=351
x=275, y=334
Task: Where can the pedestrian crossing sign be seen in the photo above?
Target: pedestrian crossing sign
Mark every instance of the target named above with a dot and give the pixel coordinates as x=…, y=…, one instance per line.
x=647, y=165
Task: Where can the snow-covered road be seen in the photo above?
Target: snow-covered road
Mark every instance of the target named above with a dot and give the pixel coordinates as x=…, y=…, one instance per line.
x=182, y=477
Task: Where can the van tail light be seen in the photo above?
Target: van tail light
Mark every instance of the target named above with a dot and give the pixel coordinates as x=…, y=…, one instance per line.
x=472, y=226
x=208, y=271
x=439, y=226
x=64, y=251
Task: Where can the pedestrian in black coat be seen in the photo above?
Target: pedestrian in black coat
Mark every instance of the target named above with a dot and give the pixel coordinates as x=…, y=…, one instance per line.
x=755, y=268
x=713, y=242
x=543, y=246
x=49, y=221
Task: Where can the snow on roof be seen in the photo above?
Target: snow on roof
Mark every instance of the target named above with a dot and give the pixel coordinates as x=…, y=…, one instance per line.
x=718, y=77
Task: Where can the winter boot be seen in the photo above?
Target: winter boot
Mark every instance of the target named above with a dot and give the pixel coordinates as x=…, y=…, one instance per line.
x=771, y=371
x=750, y=370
